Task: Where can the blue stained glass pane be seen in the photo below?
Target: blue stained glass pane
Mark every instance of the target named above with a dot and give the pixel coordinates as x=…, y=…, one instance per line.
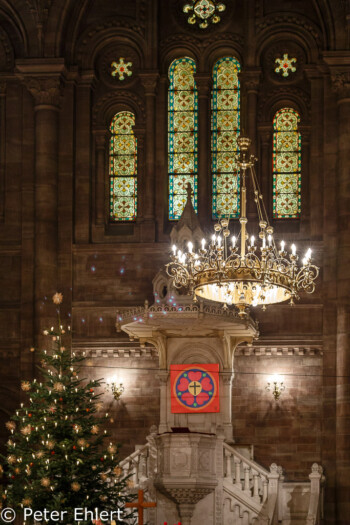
x=182, y=135
x=225, y=128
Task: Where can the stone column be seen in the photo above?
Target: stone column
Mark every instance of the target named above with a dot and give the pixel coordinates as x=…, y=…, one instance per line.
x=2, y=148
x=100, y=175
x=250, y=82
x=316, y=146
x=82, y=200
x=307, y=182
x=163, y=378
x=149, y=81
x=264, y=166
x=161, y=166
x=341, y=84
x=186, y=512
x=46, y=92
x=204, y=149
x=227, y=401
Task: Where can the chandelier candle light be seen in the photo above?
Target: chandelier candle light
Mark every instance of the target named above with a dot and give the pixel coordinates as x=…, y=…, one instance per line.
x=243, y=270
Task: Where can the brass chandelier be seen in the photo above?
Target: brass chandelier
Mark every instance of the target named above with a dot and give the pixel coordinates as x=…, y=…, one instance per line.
x=245, y=270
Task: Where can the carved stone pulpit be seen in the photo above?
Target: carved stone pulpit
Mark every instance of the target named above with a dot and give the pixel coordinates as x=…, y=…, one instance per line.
x=189, y=444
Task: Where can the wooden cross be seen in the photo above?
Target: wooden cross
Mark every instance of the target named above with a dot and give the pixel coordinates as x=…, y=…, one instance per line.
x=140, y=504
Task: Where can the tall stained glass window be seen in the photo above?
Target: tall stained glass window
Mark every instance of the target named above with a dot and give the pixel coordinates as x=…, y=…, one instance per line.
x=286, y=164
x=123, y=168
x=225, y=128
x=182, y=135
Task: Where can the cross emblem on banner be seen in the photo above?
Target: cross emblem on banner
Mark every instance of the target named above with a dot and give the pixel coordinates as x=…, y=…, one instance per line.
x=140, y=504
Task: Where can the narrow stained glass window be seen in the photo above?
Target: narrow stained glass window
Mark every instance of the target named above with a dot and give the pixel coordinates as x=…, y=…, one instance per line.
x=225, y=128
x=182, y=135
x=286, y=164
x=123, y=168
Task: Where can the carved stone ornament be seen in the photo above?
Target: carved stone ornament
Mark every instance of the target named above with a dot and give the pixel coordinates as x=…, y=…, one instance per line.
x=341, y=84
x=45, y=90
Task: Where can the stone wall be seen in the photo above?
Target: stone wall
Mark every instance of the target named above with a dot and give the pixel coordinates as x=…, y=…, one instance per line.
x=288, y=431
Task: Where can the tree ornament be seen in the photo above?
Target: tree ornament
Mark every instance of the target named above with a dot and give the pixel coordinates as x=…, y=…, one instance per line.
x=76, y=486
x=112, y=449
x=95, y=429
x=10, y=425
x=45, y=482
x=1, y=470
x=117, y=471
x=58, y=387
x=26, y=502
x=25, y=385
x=26, y=431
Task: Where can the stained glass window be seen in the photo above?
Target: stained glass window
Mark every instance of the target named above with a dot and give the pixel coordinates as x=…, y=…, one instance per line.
x=182, y=135
x=286, y=164
x=123, y=168
x=225, y=128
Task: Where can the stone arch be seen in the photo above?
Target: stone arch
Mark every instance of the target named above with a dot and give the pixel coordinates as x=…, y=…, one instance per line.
x=196, y=352
x=95, y=38
x=218, y=49
x=21, y=39
x=284, y=97
x=176, y=47
x=112, y=102
x=295, y=29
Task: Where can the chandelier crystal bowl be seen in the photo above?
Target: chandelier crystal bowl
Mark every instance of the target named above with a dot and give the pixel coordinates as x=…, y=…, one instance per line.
x=243, y=270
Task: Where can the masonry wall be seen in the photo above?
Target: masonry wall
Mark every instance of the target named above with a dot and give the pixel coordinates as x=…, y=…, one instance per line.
x=287, y=431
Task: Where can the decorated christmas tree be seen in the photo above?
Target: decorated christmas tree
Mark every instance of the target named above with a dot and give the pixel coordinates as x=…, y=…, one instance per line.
x=57, y=455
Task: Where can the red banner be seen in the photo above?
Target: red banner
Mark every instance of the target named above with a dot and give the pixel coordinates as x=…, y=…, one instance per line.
x=194, y=388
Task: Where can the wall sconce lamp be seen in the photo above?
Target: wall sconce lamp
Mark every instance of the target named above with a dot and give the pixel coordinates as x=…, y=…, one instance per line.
x=116, y=390
x=275, y=384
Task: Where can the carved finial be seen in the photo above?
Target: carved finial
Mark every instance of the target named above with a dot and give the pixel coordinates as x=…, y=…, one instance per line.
x=188, y=227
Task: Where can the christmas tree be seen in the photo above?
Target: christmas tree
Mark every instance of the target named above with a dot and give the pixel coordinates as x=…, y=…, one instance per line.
x=56, y=455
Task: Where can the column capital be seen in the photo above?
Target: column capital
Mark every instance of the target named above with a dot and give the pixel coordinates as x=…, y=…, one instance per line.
x=203, y=82
x=43, y=79
x=338, y=63
x=88, y=79
x=101, y=135
x=305, y=134
x=251, y=79
x=149, y=80
x=2, y=88
x=341, y=84
x=265, y=132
